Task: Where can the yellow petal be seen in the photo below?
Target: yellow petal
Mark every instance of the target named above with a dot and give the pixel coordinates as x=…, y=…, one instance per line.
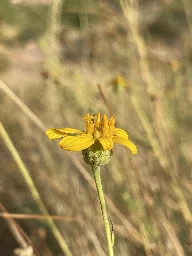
x=97, y=120
x=126, y=143
x=107, y=143
x=117, y=132
x=112, y=121
x=76, y=143
x=59, y=133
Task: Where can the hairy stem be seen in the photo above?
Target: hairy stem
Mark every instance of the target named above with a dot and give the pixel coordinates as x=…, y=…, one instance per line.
x=97, y=177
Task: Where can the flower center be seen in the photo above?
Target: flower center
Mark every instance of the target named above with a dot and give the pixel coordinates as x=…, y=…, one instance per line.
x=99, y=128
x=96, y=134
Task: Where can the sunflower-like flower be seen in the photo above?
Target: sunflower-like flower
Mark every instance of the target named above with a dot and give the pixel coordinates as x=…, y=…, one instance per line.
x=97, y=130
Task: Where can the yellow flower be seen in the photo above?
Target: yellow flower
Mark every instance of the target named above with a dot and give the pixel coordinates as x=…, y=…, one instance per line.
x=119, y=81
x=97, y=129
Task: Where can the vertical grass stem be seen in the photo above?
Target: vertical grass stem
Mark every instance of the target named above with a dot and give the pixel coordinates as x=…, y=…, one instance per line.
x=26, y=175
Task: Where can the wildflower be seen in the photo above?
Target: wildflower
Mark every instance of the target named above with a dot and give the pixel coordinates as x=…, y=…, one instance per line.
x=118, y=83
x=97, y=130
x=96, y=143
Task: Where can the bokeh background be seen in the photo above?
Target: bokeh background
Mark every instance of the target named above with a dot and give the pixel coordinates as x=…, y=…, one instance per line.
x=53, y=54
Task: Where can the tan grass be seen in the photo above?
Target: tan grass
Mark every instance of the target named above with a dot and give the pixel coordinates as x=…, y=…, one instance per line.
x=148, y=196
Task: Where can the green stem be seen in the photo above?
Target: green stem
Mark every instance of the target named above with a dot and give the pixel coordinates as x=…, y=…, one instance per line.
x=97, y=177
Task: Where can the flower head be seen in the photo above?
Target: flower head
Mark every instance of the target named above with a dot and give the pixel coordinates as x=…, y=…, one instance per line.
x=118, y=84
x=97, y=130
x=118, y=81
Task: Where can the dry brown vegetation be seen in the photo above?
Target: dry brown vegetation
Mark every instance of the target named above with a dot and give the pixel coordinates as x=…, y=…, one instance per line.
x=52, y=56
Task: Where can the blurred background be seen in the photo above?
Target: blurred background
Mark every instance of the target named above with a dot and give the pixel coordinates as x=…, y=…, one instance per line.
x=53, y=54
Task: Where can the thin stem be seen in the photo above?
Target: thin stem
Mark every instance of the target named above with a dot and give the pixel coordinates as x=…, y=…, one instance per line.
x=26, y=175
x=97, y=177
